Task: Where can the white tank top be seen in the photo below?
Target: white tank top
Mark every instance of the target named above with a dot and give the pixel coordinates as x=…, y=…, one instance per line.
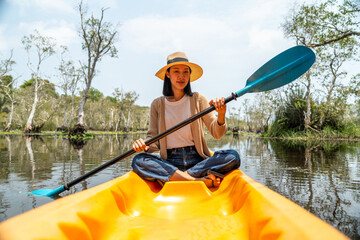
x=175, y=113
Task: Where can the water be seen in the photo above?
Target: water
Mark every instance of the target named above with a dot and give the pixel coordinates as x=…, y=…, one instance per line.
x=322, y=177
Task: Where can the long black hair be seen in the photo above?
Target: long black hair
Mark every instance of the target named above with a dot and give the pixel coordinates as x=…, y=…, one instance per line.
x=167, y=89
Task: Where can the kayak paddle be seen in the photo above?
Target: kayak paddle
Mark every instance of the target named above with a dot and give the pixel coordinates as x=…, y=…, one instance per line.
x=279, y=71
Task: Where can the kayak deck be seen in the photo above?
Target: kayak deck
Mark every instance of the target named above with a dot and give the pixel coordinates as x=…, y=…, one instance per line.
x=131, y=208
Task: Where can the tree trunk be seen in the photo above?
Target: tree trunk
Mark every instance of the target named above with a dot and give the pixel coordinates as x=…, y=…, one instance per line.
x=334, y=71
x=249, y=127
x=71, y=111
x=129, y=122
x=64, y=124
x=307, y=119
x=29, y=123
x=79, y=128
x=111, y=119
x=44, y=48
x=117, y=125
x=125, y=121
x=8, y=126
x=81, y=113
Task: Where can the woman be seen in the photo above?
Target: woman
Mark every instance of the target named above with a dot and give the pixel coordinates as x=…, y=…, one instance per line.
x=184, y=155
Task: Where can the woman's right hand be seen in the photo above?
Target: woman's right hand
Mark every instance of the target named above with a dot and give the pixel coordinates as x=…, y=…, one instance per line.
x=139, y=145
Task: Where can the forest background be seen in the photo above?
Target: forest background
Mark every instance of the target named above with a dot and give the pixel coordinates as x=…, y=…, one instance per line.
x=324, y=102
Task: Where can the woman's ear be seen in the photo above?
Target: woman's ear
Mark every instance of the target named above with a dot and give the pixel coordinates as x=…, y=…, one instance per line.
x=167, y=73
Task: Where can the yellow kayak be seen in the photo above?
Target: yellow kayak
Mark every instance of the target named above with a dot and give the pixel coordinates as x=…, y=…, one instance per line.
x=131, y=208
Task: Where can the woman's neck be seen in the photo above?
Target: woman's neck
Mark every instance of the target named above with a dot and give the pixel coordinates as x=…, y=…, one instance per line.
x=177, y=96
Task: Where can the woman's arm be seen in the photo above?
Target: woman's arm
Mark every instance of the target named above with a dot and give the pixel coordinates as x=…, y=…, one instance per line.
x=216, y=125
x=139, y=145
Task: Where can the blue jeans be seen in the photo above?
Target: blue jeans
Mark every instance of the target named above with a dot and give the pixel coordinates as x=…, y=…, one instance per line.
x=151, y=167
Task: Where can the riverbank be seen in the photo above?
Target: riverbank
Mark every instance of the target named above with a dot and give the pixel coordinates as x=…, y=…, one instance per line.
x=301, y=136
x=57, y=133
x=349, y=133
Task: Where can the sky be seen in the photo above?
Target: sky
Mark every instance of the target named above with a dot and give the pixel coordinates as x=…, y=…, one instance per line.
x=229, y=39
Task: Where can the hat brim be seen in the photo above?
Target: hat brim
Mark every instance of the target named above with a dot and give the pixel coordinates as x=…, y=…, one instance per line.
x=196, y=70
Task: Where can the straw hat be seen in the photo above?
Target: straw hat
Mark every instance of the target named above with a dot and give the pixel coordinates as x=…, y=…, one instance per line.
x=178, y=58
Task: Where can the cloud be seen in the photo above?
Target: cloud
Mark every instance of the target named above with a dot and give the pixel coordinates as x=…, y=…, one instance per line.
x=107, y=3
x=64, y=33
x=58, y=5
x=156, y=34
x=265, y=39
x=3, y=42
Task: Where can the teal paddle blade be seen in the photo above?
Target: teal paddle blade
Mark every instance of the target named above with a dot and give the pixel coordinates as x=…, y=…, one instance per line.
x=281, y=70
x=49, y=192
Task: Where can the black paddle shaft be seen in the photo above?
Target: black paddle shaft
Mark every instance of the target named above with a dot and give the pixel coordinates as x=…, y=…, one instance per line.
x=148, y=142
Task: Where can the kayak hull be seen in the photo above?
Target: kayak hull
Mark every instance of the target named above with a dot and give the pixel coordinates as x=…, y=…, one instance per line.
x=131, y=208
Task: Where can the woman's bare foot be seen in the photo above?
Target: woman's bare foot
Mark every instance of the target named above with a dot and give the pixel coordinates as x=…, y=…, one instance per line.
x=211, y=181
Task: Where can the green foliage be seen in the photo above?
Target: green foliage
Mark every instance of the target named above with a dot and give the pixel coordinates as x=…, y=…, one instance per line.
x=94, y=94
x=28, y=83
x=3, y=119
x=289, y=118
x=318, y=24
x=47, y=89
x=6, y=87
x=111, y=99
x=290, y=114
x=44, y=46
x=84, y=136
x=351, y=130
x=348, y=131
x=322, y=109
x=103, y=113
x=328, y=132
x=6, y=80
x=6, y=66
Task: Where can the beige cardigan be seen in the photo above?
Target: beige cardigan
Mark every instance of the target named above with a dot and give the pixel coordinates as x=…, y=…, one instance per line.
x=198, y=103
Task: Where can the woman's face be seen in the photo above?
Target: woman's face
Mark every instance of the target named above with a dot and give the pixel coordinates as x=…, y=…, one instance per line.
x=179, y=77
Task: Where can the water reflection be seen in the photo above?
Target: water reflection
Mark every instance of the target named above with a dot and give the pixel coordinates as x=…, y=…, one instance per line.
x=322, y=177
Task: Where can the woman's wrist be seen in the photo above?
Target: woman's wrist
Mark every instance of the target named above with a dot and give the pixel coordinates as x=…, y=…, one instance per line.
x=221, y=119
x=220, y=124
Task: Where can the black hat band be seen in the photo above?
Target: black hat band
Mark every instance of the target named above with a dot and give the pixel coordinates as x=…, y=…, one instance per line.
x=177, y=60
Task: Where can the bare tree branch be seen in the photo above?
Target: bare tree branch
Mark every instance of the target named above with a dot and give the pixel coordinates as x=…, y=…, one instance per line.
x=336, y=39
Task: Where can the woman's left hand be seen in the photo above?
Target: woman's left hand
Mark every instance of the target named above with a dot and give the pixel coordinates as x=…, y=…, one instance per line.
x=219, y=104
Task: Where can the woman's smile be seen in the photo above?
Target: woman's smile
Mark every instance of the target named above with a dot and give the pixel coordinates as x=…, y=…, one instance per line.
x=181, y=82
